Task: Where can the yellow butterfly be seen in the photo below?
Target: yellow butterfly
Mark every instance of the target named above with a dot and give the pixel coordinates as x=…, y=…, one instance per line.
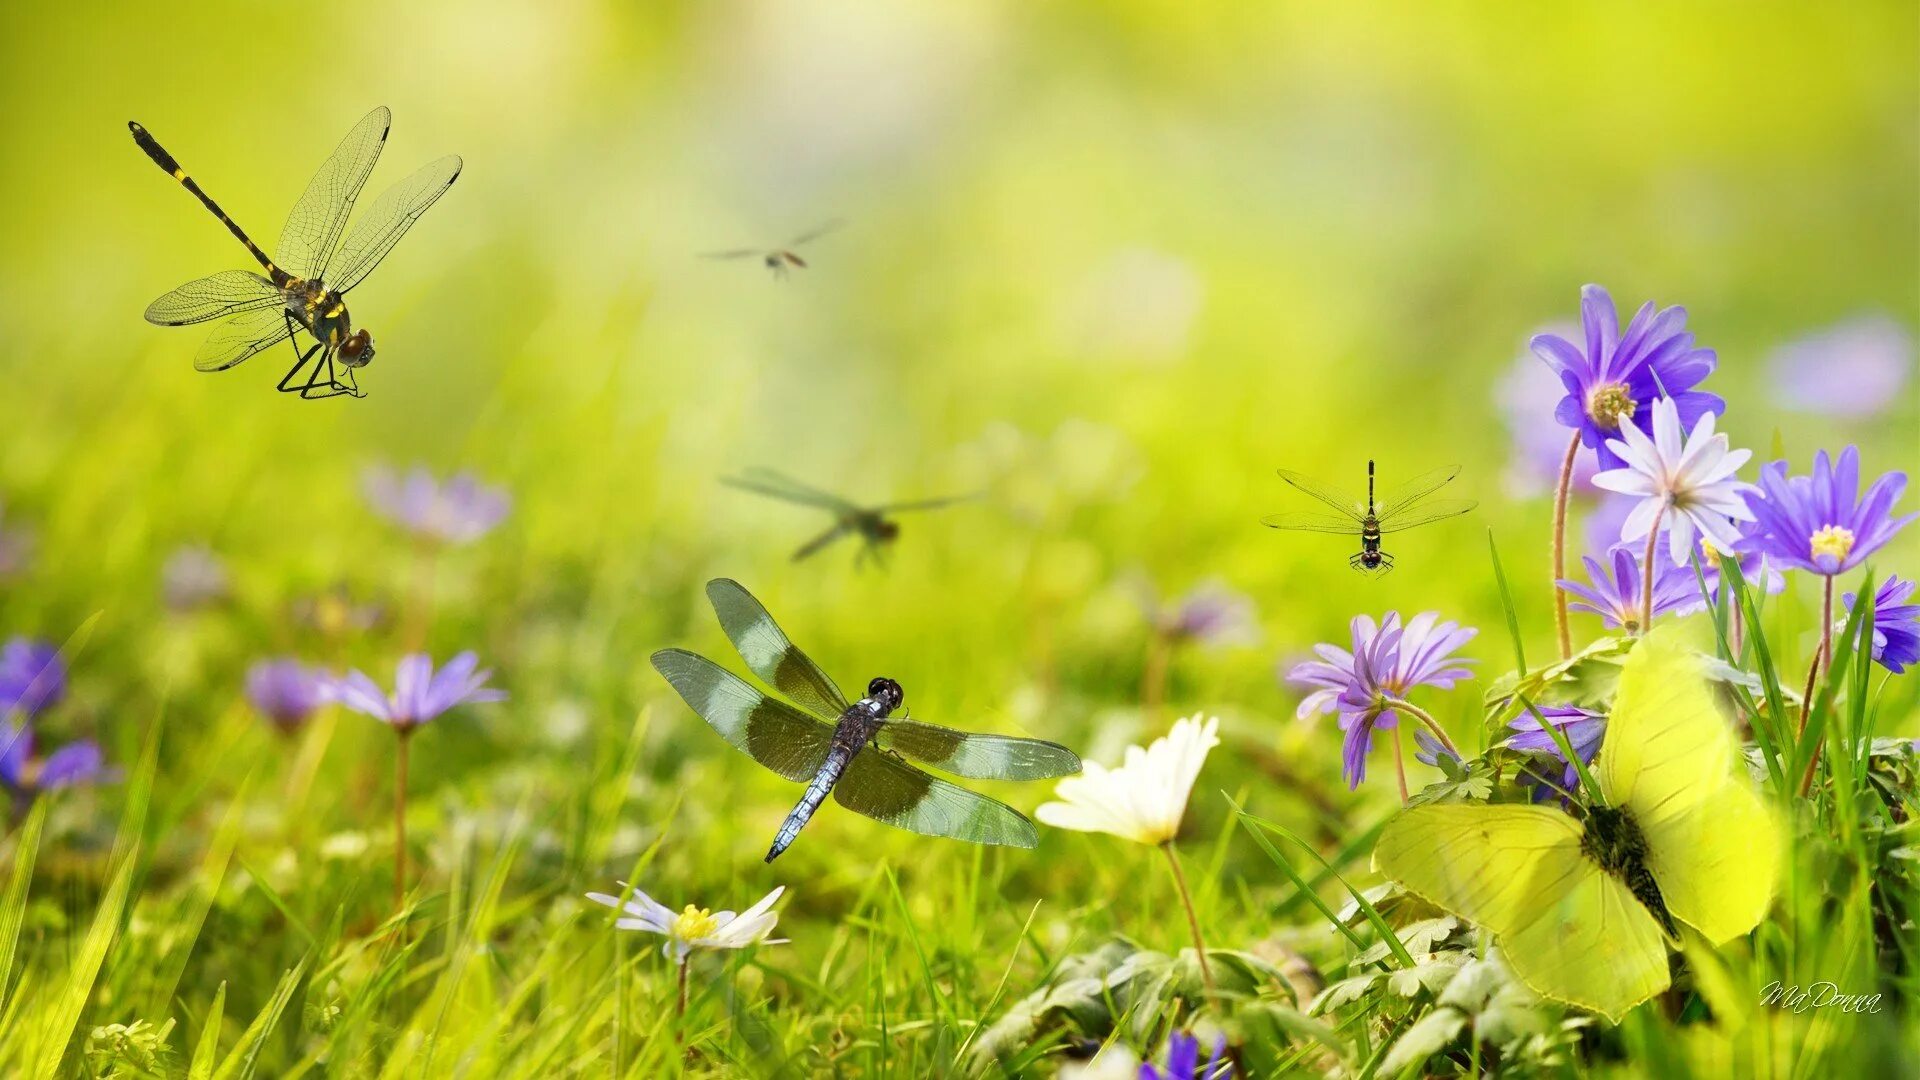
x=1583, y=909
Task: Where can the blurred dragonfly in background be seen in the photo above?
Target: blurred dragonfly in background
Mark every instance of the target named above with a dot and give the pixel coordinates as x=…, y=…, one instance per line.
x=874, y=525
x=780, y=259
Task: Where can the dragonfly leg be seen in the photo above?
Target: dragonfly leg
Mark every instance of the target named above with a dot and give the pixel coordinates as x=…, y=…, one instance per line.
x=286, y=382
x=315, y=389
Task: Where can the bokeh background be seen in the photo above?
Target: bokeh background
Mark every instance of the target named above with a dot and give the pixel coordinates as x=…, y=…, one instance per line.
x=1108, y=263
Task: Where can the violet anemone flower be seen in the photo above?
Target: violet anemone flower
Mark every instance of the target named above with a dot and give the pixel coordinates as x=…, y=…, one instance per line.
x=1367, y=685
x=1854, y=368
x=1211, y=613
x=1615, y=596
x=457, y=511
x=419, y=693
x=286, y=692
x=1584, y=729
x=1814, y=523
x=1896, y=624
x=78, y=762
x=1527, y=395
x=1684, y=480
x=32, y=678
x=1183, y=1061
x=1612, y=378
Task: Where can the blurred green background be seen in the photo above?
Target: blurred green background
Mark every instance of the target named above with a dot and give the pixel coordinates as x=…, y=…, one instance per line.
x=1109, y=263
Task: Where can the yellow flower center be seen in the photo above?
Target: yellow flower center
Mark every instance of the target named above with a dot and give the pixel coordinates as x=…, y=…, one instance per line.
x=1610, y=404
x=1833, y=540
x=694, y=923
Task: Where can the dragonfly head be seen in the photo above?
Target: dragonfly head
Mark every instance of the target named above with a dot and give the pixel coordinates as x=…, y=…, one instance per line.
x=885, y=529
x=886, y=692
x=357, y=350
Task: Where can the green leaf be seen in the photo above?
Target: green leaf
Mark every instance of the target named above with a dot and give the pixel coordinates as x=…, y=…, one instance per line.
x=1428, y=1036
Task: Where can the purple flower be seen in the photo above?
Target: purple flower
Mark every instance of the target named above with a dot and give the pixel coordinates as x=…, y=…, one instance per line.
x=1615, y=377
x=1812, y=522
x=1583, y=728
x=193, y=577
x=32, y=678
x=1527, y=394
x=1211, y=614
x=1183, y=1061
x=79, y=762
x=419, y=694
x=1429, y=750
x=458, y=511
x=286, y=692
x=1854, y=368
x=1386, y=663
x=1616, y=597
x=1896, y=624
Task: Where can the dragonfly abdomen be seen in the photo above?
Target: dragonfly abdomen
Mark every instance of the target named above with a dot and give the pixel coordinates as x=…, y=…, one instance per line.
x=166, y=161
x=849, y=735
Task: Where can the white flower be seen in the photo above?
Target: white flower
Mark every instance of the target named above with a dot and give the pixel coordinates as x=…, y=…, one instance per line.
x=1142, y=800
x=1689, y=475
x=696, y=927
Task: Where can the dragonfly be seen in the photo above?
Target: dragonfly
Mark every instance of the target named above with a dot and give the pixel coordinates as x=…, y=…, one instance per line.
x=304, y=287
x=779, y=260
x=1396, y=511
x=852, y=749
x=874, y=525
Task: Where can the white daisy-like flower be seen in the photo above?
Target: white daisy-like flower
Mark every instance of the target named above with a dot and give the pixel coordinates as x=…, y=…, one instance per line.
x=1144, y=799
x=696, y=927
x=1685, y=482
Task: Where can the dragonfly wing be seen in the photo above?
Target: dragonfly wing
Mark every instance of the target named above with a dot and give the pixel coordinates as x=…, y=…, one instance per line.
x=983, y=757
x=779, y=485
x=768, y=651
x=241, y=336
x=215, y=296
x=735, y=253
x=1405, y=495
x=1311, y=522
x=773, y=733
x=906, y=798
x=1333, y=497
x=924, y=504
x=814, y=545
x=314, y=226
x=388, y=219
x=1426, y=513
x=816, y=232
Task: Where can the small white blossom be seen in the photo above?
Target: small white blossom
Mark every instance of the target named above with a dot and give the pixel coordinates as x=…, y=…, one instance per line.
x=1144, y=799
x=696, y=927
x=1689, y=475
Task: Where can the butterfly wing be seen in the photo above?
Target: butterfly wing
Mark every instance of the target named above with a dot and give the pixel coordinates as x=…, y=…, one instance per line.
x=1568, y=929
x=1668, y=759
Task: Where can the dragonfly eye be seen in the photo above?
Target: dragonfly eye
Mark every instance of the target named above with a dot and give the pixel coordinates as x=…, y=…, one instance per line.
x=357, y=350
x=886, y=692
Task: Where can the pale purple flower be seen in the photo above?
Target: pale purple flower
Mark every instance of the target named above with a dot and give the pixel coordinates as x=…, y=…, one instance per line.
x=1611, y=378
x=1813, y=523
x=286, y=692
x=78, y=762
x=1854, y=368
x=1613, y=591
x=32, y=677
x=1183, y=1061
x=1583, y=728
x=194, y=577
x=1684, y=481
x=1386, y=663
x=1527, y=394
x=1896, y=624
x=458, y=510
x=419, y=693
x=1210, y=613
x=1428, y=749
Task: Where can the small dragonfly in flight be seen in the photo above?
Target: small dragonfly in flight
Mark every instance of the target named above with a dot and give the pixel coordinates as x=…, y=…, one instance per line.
x=852, y=749
x=1397, y=511
x=874, y=525
x=305, y=287
x=779, y=260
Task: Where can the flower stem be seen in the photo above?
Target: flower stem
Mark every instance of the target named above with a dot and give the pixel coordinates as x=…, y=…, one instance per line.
x=1822, y=661
x=1560, y=494
x=1646, y=571
x=1193, y=920
x=1425, y=717
x=1400, y=762
x=1826, y=624
x=682, y=1010
x=405, y=735
x=1153, y=682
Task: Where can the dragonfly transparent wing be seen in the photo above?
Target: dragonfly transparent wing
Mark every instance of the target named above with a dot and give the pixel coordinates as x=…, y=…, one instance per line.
x=242, y=336
x=924, y=504
x=769, y=653
x=1333, y=497
x=314, y=226
x=1307, y=521
x=1399, y=498
x=817, y=232
x=983, y=757
x=906, y=798
x=388, y=219
x=813, y=546
x=779, y=485
x=216, y=296
x=732, y=253
x=773, y=733
x=1426, y=513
